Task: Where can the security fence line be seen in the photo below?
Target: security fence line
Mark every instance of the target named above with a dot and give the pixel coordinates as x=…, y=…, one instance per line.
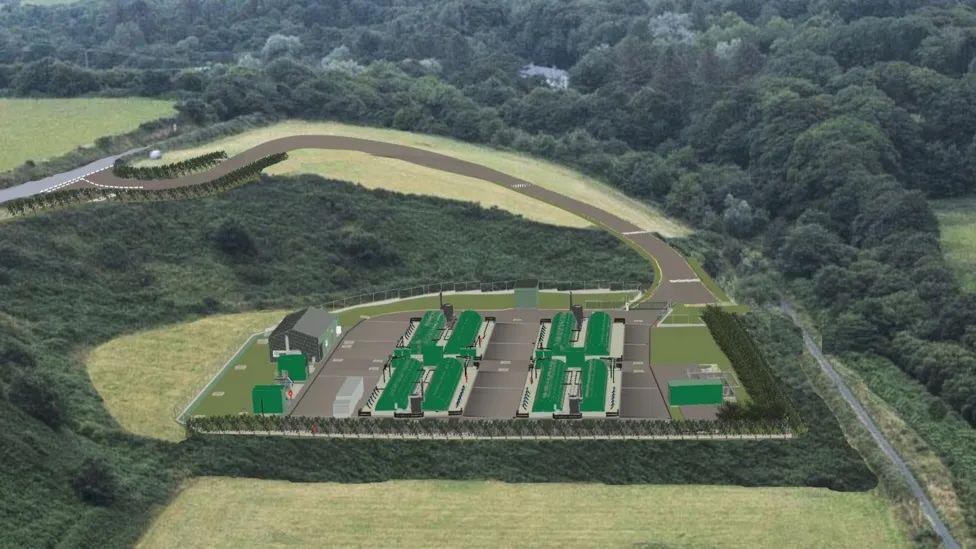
x=447, y=436
x=474, y=286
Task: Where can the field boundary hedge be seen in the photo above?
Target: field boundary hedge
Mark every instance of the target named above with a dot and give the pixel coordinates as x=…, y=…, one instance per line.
x=477, y=429
x=169, y=171
x=64, y=198
x=768, y=402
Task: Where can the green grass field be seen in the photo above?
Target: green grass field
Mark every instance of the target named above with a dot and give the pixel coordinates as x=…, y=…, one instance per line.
x=38, y=129
x=147, y=378
x=957, y=224
x=231, y=393
x=396, y=175
x=691, y=345
x=686, y=345
x=264, y=513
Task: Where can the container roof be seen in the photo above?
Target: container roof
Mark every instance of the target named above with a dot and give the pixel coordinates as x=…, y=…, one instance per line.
x=680, y=382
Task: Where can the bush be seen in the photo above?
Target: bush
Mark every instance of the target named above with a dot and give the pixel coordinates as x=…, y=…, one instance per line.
x=233, y=239
x=95, y=483
x=168, y=171
x=32, y=395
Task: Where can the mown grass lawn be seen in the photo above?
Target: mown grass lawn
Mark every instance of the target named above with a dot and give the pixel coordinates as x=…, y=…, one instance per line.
x=686, y=345
x=957, y=224
x=396, y=175
x=262, y=513
x=148, y=377
x=38, y=129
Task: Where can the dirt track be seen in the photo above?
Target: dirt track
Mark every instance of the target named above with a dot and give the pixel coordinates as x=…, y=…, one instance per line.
x=679, y=283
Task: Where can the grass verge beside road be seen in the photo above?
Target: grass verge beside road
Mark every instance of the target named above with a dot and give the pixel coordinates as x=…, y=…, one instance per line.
x=38, y=129
x=398, y=176
x=493, y=514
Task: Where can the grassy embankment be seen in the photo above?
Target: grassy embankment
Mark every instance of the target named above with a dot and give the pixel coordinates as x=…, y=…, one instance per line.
x=396, y=175
x=38, y=129
x=958, y=236
x=261, y=513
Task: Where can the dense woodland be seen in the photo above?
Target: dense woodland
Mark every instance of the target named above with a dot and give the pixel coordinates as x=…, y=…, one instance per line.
x=802, y=138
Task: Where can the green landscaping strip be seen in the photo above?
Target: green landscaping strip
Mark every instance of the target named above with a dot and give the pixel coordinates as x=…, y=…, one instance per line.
x=594, y=386
x=440, y=391
x=597, y=335
x=561, y=333
x=428, y=330
x=396, y=395
x=708, y=281
x=465, y=331
x=549, y=394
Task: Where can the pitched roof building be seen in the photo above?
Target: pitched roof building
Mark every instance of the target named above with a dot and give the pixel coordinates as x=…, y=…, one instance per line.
x=311, y=331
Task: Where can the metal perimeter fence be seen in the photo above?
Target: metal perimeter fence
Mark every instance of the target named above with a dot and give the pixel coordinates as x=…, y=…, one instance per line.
x=500, y=286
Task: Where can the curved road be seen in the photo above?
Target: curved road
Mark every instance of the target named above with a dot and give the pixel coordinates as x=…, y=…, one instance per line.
x=678, y=281
x=62, y=180
x=928, y=509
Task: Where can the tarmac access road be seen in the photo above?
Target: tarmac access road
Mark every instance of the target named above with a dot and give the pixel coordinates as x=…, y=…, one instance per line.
x=916, y=489
x=678, y=282
x=61, y=180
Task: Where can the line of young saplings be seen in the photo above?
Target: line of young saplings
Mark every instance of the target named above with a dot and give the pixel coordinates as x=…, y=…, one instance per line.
x=169, y=171
x=60, y=199
x=493, y=428
x=767, y=400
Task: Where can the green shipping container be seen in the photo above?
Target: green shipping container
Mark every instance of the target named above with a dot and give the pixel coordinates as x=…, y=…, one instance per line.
x=691, y=392
x=268, y=399
x=294, y=366
x=401, y=352
x=575, y=357
x=433, y=354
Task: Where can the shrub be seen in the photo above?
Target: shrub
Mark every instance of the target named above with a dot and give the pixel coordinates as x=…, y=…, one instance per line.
x=32, y=395
x=95, y=483
x=759, y=380
x=233, y=239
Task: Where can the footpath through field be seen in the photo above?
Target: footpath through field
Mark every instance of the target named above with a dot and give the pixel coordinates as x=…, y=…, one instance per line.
x=677, y=281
